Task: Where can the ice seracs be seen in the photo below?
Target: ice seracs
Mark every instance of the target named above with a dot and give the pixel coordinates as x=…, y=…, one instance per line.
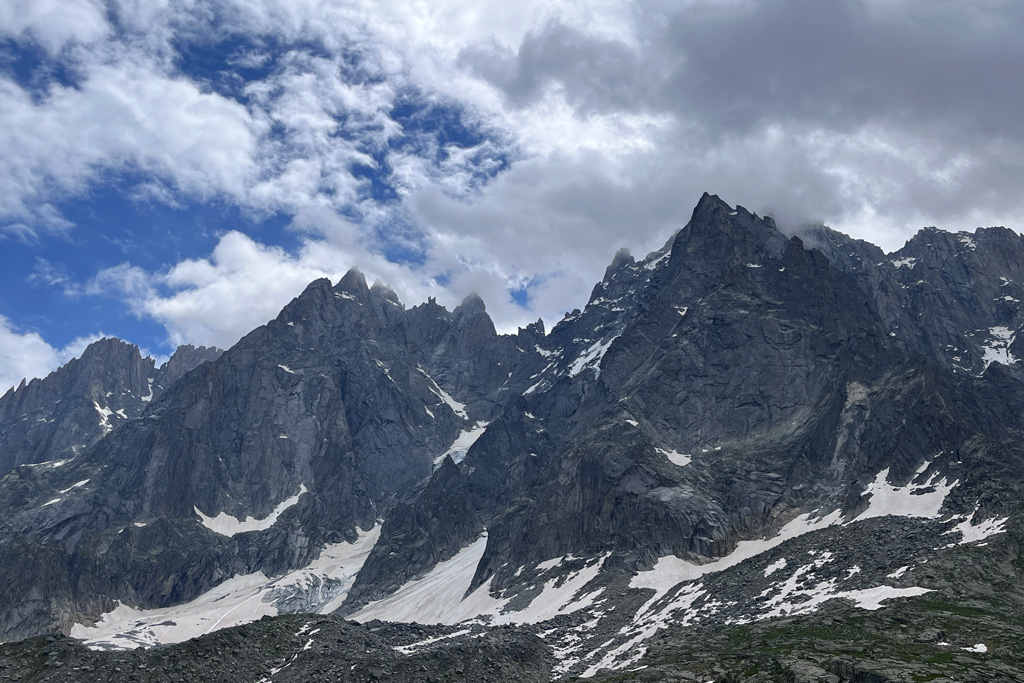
x=322, y=586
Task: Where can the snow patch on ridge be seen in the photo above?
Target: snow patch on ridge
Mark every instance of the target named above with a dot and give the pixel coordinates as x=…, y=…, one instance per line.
x=670, y=570
x=226, y=525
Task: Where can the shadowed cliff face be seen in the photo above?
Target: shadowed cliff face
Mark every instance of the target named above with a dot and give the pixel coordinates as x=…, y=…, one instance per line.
x=707, y=394
x=60, y=416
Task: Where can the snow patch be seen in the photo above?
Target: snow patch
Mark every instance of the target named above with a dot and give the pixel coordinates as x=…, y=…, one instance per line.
x=997, y=349
x=592, y=356
x=105, y=414
x=238, y=600
x=412, y=647
x=671, y=571
x=676, y=458
x=533, y=388
x=437, y=598
x=287, y=369
x=226, y=525
x=653, y=263
x=913, y=500
x=775, y=566
x=560, y=596
x=458, y=408
x=462, y=443
x=549, y=564
x=75, y=485
x=980, y=648
x=974, y=533
x=908, y=262
x=440, y=597
x=148, y=397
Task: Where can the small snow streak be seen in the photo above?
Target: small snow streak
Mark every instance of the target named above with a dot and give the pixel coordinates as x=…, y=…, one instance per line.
x=458, y=408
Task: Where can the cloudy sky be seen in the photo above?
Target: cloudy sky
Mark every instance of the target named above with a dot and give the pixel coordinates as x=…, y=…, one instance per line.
x=176, y=170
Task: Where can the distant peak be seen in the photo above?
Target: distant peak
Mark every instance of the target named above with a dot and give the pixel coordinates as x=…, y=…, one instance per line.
x=318, y=284
x=710, y=203
x=353, y=282
x=622, y=258
x=472, y=304
x=385, y=293
x=729, y=231
x=103, y=348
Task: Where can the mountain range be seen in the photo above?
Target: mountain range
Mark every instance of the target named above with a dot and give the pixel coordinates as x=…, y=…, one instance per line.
x=748, y=453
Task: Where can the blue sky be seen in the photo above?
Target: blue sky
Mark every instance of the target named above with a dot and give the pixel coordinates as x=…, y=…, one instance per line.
x=175, y=171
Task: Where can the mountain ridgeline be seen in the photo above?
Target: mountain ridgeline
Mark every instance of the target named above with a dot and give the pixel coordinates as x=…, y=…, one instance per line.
x=734, y=392
x=64, y=414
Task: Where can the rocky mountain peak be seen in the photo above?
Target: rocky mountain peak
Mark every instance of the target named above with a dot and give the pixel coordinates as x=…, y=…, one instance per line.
x=737, y=426
x=110, y=349
x=385, y=293
x=720, y=234
x=621, y=259
x=185, y=358
x=471, y=305
x=353, y=282
x=531, y=334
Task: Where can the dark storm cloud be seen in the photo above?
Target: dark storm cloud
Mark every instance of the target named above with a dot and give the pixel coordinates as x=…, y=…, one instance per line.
x=901, y=110
x=828, y=63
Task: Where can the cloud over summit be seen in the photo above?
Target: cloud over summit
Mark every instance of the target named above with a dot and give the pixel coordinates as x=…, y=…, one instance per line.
x=446, y=148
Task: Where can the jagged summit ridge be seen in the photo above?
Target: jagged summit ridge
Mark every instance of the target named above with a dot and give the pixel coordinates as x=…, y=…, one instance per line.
x=60, y=416
x=732, y=396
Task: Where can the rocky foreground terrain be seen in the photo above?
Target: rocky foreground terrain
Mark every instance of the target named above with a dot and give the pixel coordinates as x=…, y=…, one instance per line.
x=969, y=628
x=751, y=456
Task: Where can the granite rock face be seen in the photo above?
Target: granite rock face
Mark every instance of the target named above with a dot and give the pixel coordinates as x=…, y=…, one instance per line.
x=707, y=395
x=63, y=414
